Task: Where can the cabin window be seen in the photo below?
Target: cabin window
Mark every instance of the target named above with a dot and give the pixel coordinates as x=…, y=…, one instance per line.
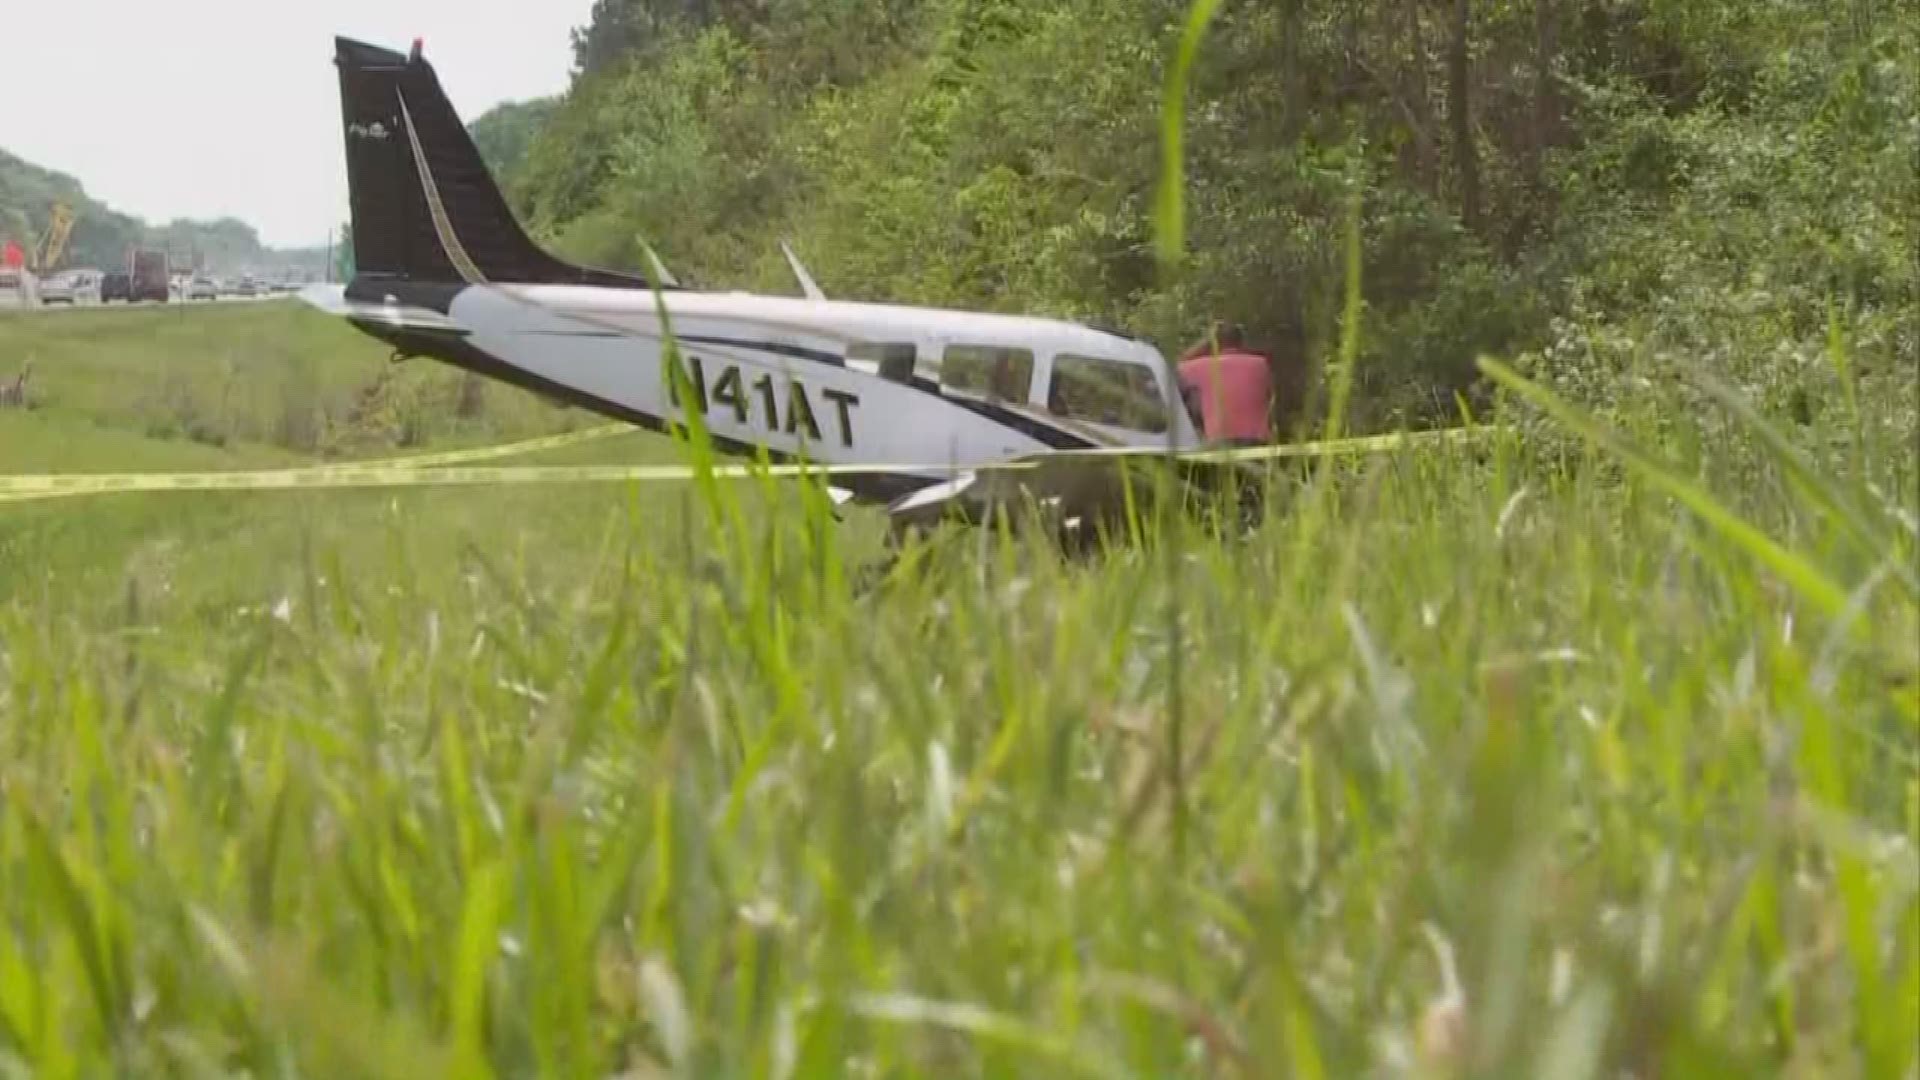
x=887, y=359
x=1110, y=392
x=990, y=371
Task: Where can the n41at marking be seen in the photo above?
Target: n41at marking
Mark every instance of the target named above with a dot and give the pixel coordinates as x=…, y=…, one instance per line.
x=758, y=402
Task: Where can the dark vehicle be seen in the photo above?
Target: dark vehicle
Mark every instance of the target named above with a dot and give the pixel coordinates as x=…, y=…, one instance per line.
x=150, y=274
x=116, y=285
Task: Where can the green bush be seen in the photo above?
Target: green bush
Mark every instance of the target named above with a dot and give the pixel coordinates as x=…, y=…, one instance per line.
x=1705, y=178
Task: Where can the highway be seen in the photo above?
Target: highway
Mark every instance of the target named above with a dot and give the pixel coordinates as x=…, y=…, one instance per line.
x=7, y=308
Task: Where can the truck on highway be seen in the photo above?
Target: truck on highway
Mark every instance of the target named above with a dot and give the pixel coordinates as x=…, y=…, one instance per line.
x=116, y=285
x=150, y=275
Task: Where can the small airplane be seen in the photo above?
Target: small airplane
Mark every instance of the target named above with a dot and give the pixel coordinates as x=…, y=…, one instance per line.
x=908, y=406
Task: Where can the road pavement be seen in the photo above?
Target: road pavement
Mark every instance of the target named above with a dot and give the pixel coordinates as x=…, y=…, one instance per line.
x=9, y=308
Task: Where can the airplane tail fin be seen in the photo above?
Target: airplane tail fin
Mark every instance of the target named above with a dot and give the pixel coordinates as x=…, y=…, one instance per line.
x=424, y=206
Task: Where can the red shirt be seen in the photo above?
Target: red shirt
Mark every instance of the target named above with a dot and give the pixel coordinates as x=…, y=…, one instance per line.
x=1235, y=391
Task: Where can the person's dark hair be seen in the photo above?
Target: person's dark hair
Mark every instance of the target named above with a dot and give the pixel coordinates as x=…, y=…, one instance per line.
x=1231, y=335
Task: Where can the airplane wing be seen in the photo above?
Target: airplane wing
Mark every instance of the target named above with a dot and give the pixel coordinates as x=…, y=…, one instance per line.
x=1100, y=482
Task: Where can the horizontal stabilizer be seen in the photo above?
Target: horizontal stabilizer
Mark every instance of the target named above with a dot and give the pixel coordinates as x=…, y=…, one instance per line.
x=333, y=300
x=328, y=298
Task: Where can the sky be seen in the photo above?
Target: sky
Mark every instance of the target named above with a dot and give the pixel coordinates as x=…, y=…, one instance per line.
x=230, y=108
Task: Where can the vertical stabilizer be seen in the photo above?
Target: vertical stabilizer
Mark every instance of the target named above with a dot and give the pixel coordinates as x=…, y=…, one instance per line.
x=424, y=206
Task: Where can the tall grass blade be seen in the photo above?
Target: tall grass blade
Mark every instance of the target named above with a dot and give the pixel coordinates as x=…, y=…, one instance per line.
x=1806, y=579
x=1821, y=492
x=1170, y=208
x=990, y=1026
x=475, y=946
x=99, y=955
x=1349, y=356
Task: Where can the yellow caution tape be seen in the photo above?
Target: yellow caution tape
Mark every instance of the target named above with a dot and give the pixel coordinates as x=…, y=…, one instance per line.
x=19, y=487
x=489, y=453
x=445, y=469
x=1371, y=444
x=414, y=461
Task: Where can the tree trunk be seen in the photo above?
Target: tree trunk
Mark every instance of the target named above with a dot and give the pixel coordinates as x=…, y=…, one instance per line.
x=472, y=400
x=1352, y=78
x=1419, y=99
x=1293, y=78
x=1546, y=101
x=1459, y=107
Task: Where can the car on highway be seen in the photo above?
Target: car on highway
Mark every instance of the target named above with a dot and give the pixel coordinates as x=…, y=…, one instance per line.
x=116, y=285
x=202, y=289
x=16, y=288
x=86, y=285
x=57, y=289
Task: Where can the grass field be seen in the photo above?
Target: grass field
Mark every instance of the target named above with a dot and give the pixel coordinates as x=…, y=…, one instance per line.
x=1520, y=762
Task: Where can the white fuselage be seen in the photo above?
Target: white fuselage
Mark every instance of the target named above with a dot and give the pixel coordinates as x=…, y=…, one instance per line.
x=804, y=377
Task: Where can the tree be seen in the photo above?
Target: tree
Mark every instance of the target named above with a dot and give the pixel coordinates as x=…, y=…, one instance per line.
x=506, y=133
x=1460, y=115
x=343, y=265
x=1004, y=154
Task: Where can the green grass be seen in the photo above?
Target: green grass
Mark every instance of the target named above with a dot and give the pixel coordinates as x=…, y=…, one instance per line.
x=571, y=781
x=258, y=383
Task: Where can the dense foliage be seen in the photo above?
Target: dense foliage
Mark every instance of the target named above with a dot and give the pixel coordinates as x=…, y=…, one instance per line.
x=27, y=194
x=506, y=133
x=1519, y=163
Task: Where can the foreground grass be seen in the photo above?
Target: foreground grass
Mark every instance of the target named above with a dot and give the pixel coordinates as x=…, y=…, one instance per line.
x=1501, y=762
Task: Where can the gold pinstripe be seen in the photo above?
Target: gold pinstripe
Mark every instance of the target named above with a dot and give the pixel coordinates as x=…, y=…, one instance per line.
x=442, y=225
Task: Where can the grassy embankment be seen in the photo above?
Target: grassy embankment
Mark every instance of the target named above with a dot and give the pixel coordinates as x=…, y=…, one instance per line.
x=234, y=387
x=572, y=781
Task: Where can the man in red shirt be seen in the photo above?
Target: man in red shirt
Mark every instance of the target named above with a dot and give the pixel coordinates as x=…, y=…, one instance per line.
x=1230, y=388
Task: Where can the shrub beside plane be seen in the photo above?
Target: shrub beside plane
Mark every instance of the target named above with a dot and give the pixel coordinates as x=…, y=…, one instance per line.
x=908, y=406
